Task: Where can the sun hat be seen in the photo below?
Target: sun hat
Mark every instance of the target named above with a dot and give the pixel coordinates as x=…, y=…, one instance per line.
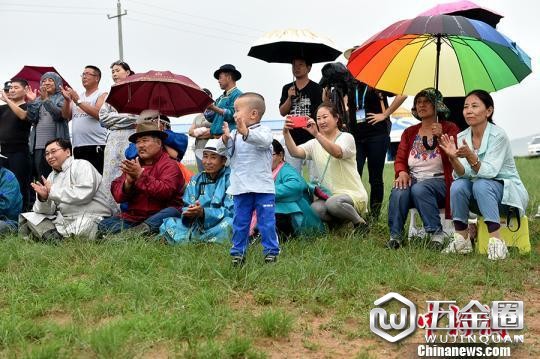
x=347, y=53
x=147, y=128
x=212, y=146
x=435, y=97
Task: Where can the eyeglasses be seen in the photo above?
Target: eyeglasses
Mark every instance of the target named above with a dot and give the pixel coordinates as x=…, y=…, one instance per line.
x=51, y=152
x=86, y=74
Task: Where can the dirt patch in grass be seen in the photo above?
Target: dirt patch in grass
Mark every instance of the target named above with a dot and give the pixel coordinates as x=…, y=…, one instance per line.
x=313, y=338
x=320, y=336
x=159, y=351
x=242, y=301
x=59, y=318
x=104, y=321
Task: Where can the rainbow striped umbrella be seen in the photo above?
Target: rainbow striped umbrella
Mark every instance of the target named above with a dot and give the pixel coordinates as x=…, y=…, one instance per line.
x=452, y=53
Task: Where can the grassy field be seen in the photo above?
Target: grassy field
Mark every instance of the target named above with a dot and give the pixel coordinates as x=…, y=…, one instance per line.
x=130, y=297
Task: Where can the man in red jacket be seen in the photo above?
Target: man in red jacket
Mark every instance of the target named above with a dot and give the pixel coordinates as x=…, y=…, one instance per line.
x=151, y=184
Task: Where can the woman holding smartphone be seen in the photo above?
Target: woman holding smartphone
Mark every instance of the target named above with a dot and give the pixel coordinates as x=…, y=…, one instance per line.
x=334, y=155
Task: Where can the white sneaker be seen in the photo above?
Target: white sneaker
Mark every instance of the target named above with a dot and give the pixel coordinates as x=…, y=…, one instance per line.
x=497, y=249
x=458, y=245
x=437, y=241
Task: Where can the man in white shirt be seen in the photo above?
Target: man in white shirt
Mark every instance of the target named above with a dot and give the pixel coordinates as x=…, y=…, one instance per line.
x=82, y=109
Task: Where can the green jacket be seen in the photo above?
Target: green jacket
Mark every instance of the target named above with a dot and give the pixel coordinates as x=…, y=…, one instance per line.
x=292, y=198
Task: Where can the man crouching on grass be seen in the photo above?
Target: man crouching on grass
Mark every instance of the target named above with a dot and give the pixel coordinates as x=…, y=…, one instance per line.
x=250, y=149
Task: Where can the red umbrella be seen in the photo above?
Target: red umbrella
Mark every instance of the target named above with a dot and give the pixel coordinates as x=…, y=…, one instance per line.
x=467, y=9
x=33, y=74
x=170, y=94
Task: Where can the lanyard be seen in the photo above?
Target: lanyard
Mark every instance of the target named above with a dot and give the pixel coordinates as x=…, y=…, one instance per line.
x=363, y=97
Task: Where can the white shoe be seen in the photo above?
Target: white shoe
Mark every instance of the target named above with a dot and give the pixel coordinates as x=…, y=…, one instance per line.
x=437, y=241
x=497, y=249
x=458, y=245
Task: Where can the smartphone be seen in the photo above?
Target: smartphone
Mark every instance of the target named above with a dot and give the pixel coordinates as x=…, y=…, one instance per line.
x=299, y=121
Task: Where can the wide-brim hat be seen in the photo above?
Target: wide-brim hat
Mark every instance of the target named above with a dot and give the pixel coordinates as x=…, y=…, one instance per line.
x=435, y=97
x=212, y=146
x=147, y=128
x=236, y=75
x=347, y=53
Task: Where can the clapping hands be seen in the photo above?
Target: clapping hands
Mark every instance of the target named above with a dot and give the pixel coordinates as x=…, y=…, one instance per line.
x=42, y=189
x=447, y=143
x=132, y=169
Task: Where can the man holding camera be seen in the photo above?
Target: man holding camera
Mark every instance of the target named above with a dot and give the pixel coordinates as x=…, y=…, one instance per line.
x=300, y=98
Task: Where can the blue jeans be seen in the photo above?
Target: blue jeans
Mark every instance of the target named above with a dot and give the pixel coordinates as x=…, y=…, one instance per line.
x=481, y=196
x=244, y=205
x=116, y=224
x=426, y=196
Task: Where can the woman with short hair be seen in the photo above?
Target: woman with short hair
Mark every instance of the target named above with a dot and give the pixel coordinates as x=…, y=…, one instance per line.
x=423, y=173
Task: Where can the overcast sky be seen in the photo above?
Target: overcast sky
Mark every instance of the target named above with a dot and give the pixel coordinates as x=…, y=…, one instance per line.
x=194, y=38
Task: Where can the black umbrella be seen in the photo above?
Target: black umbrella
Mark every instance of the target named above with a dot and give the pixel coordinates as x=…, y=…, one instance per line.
x=282, y=46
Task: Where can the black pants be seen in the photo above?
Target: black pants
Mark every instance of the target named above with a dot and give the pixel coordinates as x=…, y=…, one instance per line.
x=93, y=154
x=19, y=163
x=40, y=167
x=284, y=226
x=374, y=150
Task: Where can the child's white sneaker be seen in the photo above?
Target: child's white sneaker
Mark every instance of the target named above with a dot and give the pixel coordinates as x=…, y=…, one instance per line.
x=458, y=244
x=497, y=249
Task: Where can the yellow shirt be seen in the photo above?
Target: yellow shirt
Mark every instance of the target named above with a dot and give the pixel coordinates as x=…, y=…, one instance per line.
x=341, y=176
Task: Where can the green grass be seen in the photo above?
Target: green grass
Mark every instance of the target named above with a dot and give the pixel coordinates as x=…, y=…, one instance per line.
x=131, y=297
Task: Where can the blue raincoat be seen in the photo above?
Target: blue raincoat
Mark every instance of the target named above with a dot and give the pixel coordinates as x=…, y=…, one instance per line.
x=10, y=198
x=292, y=199
x=216, y=226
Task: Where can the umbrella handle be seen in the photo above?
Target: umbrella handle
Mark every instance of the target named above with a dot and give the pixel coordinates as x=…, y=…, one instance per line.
x=437, y=61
